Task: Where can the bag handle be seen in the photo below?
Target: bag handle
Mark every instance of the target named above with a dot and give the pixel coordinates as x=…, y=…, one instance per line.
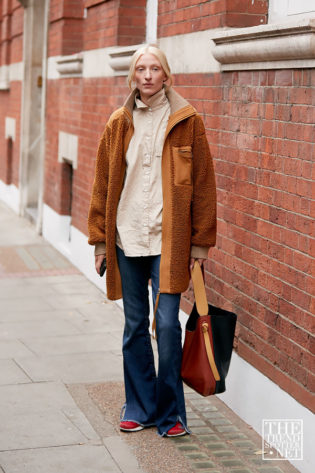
x=202, y=309
x=199, y=292
x=199, y=289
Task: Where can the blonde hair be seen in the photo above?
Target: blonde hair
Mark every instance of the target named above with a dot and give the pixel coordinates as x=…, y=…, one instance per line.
x=150, y=49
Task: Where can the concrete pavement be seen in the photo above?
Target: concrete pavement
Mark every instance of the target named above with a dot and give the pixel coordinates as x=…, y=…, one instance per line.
x=56, y=329
x=60, y=351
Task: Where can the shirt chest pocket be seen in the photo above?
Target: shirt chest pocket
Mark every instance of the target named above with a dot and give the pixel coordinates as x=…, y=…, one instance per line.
x=182, y=165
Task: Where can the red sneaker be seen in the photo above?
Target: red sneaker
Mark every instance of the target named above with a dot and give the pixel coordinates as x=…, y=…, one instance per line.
x=129, y=426
x=176, y=431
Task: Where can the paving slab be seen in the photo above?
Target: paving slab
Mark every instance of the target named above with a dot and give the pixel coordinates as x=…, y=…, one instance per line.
x=27, y=304
x=13, y=348
x=66, y=301
x=12, y=291
x=73, y=367
x=11, y=373
x=42, y=315
x=38, y=328
x=41, y=415
x=63, y=459
x=65, y=344
x=122, y=455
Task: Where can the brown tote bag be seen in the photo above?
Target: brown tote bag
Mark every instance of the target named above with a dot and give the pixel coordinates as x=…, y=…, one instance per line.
x=208, y=342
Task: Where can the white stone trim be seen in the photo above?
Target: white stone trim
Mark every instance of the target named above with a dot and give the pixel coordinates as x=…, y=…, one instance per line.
x=254, y=397
x=9, y=73
x=4, y=78
x=96, y=63
x=151, y=21
x=120, y=57
x=285, y=45
x=10, y=195
x=10, y=128
x=280, y=10
x=70, y=65
x=16, y=71
x=190, y=53
x=301, y=7
x=109, y=62
x=68, y=148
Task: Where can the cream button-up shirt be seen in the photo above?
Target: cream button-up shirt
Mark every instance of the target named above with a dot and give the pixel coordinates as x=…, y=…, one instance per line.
x=139, y=213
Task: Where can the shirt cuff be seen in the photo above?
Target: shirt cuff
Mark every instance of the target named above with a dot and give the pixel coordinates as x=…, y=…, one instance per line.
x=199, y=252
x=100, y=249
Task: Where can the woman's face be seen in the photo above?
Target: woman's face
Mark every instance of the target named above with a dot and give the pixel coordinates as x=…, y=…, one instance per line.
x=149, y=75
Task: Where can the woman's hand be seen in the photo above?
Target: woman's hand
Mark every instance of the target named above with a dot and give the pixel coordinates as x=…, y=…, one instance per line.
x=200, y=261
x=98, y=262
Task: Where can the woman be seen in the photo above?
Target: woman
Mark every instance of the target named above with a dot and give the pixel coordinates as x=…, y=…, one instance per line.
x=152, y=212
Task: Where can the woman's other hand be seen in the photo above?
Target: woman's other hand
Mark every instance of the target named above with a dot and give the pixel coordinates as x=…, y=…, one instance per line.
x=98, y=262
x=200, y=261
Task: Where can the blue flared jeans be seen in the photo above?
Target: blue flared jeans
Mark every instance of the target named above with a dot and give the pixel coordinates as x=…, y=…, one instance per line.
x=151, y=399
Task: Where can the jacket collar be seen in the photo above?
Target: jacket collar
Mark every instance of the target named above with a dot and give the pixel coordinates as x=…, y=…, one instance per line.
x=180, y=108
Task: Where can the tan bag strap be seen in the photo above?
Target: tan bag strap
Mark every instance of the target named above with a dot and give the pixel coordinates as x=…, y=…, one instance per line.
x=199, y=289
x=209, y=351
x=202, y=309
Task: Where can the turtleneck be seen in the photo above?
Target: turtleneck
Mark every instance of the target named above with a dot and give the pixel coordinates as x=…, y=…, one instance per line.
x=155, y=101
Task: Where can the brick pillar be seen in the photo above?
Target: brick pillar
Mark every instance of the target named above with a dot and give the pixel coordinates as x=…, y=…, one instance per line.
x=66, y=27
x=114, y=23
x=241, y=13
x=188, y=16
x=5, y=28
x=131, y=22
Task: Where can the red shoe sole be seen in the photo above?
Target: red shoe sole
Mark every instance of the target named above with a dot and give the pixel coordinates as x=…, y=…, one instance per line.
x=132, y=429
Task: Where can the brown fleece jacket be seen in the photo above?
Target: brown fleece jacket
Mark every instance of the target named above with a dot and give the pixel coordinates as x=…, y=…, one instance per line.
x=189, y=195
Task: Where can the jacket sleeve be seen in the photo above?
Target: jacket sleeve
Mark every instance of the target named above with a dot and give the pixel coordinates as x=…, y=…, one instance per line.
x=204, y=219
x=97, y=211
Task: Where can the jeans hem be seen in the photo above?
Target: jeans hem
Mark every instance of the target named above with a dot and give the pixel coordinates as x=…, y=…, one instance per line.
x=179, y=419
x=133, y=420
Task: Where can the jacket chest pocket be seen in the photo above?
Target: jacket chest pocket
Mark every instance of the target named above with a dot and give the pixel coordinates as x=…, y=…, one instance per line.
x=183, y=165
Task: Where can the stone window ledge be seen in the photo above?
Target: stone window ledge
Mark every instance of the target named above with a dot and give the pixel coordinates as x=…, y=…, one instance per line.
x=274, y=46
x=119, y=58
x=70, y=65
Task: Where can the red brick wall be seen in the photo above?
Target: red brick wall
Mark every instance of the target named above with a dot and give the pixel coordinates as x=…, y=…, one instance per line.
x=114, y=22
x=82, y=108
x=66, y=27
x=10, y=107
x=260, y=131
x=11, y=51
x=188, y=16
x=132, y=22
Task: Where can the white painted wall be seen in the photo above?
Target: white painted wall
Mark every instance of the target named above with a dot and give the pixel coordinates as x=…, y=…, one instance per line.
x=151, y=25
x=10, y=195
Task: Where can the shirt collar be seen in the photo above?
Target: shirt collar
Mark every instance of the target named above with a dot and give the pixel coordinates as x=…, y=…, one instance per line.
x=154, y=102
